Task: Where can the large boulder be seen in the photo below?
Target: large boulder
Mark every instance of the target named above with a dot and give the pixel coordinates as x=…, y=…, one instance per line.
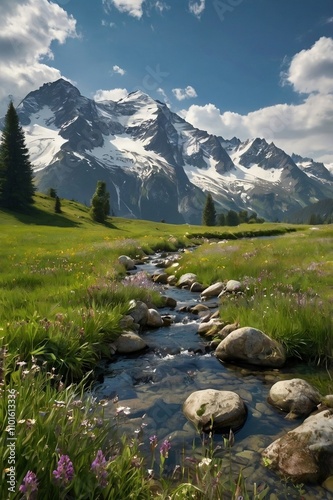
x=251, y=346
x=129, y=342
x=127, y=262
x=186, y=280
x=232, y=286
x=210, y=409
x=295, y=396
x=154, y=319
x=305, y=454
x=139, y=312
x=213, y=290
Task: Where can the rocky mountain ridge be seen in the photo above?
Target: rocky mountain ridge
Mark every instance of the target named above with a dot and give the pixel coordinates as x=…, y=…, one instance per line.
x=155, y=164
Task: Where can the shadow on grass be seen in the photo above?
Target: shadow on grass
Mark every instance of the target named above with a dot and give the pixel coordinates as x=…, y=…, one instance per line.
x=35, y=216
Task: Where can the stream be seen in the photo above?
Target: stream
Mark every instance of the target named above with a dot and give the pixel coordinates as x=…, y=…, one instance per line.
x=146, y=392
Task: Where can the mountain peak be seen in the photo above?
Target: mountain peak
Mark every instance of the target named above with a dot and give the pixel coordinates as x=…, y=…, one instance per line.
x=137, y=96
x=156, y=165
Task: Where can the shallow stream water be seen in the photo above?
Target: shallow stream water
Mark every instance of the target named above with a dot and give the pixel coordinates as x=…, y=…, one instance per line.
x=152, y=386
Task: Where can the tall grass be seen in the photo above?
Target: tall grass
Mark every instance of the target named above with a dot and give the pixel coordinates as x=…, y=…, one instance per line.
x=52, y=423
x=287, y=287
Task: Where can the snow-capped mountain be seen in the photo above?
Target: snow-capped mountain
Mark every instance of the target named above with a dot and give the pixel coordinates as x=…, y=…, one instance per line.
x=155, y=164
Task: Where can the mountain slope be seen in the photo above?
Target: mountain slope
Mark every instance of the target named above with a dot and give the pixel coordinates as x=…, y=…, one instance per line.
x=156, y=165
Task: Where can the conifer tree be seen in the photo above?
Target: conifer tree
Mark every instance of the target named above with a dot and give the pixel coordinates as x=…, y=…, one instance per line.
x=100, y=203
x=57, y=205
x=232, y=218
x=52, y=193
x=209, y=212
x=16, y=174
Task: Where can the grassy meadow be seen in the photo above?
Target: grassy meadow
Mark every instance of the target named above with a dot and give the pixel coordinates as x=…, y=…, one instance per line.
x=62, y=295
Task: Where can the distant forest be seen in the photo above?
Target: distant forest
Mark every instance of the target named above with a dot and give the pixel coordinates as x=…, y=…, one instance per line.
x=317, y=213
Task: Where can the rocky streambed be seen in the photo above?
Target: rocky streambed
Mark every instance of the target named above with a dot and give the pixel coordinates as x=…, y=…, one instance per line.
x=166, y=380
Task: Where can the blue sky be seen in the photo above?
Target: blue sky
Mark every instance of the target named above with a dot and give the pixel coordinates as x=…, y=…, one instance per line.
x=233, y=67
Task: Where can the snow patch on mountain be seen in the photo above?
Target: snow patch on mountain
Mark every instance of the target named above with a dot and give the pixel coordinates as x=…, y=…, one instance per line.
x=43, y=144
x=157, y=165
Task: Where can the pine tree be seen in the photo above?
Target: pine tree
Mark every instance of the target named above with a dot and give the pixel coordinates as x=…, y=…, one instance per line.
x=52, y=193
x=209, y=212
x=232, y=218
x=100, y=203
x=57, y=205
x=16, y=174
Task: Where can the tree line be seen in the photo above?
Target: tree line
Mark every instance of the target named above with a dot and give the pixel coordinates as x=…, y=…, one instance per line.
x=231, y=218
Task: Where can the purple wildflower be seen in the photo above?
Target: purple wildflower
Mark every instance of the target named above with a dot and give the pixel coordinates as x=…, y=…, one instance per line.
x=165, y=447
x=98, y=466
x=64, y=472
x=153, y=441
x=29, y=487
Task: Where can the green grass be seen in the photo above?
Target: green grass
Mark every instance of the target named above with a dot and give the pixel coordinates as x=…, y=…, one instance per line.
x=62, y=295
x=288, y=287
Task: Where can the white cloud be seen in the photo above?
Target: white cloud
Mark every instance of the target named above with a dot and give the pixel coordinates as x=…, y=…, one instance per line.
x=164, y=96
x=160, y=5
x=119, y=70
x=304, y=128
x=197, y=7
x=186, y=93
x=131, y=7
x=27, y=29
x=312, y=70
x=108, y=24
x=110, y=95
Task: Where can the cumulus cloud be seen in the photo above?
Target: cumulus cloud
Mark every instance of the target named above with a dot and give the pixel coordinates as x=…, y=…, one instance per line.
x=131, y=7
x=110, y=95
x=117, y=69
x=197, y=7
x=294, y=128
x=311, y=70
x=135, y=8
x=303, y=128
x=186, y=93
x=27, y=29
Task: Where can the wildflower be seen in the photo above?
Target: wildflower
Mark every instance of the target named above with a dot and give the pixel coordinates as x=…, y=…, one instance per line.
x=21, y=363
x=153, y=441
x=165, y=447
x=64, y=472
x=150, y=473
x=98, y=467
x=204, y=462
x=126, y=410
x=30, y=422
x=29, y=487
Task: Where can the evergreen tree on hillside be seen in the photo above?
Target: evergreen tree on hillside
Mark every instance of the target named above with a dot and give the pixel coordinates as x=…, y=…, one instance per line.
x=52, y=193
x=209, y=212
x=100, y=203
x=16, y=174
x=57, y=205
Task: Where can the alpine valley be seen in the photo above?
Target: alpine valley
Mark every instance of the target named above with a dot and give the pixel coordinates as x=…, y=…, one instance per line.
x=156, y=165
